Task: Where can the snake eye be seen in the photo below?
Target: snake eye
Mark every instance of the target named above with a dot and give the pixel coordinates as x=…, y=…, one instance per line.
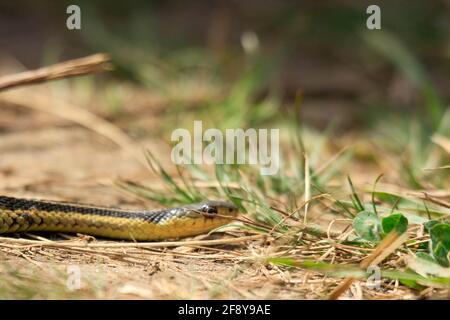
x=209, y=209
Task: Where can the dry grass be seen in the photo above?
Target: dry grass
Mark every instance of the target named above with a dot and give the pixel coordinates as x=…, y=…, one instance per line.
x=282, y=248
x=72, y=68
x=238, y=271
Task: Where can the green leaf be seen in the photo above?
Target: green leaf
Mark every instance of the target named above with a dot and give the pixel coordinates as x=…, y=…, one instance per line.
x=286, y=262
x=411, y=283
x=427, y=267
x=425, y=256
x=430, y=224
x=366, y=225
x=395, y=221
x=440, y=243
x=411, y=278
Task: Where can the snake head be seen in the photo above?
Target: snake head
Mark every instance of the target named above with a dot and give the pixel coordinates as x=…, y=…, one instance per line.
x=211, y=209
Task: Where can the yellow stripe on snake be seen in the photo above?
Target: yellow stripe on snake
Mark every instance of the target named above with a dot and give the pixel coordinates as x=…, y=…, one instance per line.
x=22, y=215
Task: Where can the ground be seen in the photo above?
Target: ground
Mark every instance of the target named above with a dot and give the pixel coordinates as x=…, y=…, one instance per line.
x=44, y=156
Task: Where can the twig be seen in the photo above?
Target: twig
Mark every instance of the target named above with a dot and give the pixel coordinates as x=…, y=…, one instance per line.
x=435, y=201
x=391, y=242
x=95, y=63
x=38, y=100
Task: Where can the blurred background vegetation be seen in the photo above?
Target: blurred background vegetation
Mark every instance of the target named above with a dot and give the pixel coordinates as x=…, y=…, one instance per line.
x=207, y=53
x=252, y=64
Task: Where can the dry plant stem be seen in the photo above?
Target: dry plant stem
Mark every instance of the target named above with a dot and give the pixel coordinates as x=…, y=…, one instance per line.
x=133, y=245
x=391, y=242
x=95, y=63
x=442, y=141
x=307, y=188
x=314, y=231
x=436, y=201
x=34, y=99
x=329, y=162
x=290, y=215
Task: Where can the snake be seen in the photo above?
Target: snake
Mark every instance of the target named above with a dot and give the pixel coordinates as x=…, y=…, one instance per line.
x=28, y=215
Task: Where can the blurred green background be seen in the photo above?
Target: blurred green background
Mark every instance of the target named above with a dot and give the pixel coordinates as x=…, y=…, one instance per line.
x=317, y=55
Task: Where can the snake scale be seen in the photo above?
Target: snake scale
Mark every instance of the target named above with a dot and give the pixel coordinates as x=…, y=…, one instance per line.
x=23, y=215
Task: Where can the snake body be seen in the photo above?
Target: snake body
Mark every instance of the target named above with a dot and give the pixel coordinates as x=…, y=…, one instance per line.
x=23, y=215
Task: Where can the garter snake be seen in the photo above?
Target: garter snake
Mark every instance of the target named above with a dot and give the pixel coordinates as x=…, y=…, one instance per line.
x=23, y=215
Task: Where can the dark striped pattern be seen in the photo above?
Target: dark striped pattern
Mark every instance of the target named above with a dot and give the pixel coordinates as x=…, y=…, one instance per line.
x=24, y=205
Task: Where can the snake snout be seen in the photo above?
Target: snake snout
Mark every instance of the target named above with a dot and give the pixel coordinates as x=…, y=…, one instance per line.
x=217, y=208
